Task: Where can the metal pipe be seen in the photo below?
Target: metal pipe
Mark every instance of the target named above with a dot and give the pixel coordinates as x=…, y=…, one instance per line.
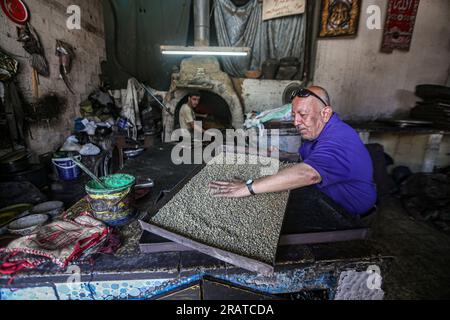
x=202, y=25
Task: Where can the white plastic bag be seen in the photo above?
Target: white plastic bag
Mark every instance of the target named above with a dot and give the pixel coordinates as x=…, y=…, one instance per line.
x=283, y=113
x=71, y=145
x=90, y=150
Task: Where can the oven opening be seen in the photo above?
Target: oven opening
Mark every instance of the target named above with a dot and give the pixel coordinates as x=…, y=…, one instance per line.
x=213, y=112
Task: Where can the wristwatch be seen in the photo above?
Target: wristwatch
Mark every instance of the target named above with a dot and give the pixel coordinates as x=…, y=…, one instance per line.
x=249, y=184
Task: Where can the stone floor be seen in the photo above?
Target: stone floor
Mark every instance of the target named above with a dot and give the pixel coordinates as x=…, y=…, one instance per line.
x=422, y=255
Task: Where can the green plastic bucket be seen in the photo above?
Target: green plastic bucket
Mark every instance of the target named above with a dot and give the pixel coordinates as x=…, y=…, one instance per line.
x=114, y=205
x=115, y=182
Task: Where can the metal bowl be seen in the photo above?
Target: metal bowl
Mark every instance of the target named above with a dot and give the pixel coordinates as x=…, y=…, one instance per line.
x=51, y=208
x=27, y=225
x=133, y=153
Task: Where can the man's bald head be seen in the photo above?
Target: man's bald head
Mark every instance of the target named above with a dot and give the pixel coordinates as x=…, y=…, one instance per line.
x=322, y=93
x=310, y=114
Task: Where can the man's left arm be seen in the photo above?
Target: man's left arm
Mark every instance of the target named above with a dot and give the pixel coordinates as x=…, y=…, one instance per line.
x=298, y=176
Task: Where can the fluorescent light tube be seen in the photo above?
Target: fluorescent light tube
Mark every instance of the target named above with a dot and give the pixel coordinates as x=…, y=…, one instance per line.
x=205, y=51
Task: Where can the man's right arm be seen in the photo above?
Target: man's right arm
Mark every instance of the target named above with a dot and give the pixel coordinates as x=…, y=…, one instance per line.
x=298, y=176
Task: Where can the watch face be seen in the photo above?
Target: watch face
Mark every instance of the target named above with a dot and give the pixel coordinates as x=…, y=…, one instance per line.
x=249, y=182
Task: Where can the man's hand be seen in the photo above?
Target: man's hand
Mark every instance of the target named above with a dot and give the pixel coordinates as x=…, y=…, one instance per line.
x=234, y=189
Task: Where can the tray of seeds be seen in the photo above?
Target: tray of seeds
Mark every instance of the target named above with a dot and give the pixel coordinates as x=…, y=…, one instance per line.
x=244, y=232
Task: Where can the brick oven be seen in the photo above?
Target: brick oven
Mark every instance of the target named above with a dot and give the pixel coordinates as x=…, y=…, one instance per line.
x=219, y=101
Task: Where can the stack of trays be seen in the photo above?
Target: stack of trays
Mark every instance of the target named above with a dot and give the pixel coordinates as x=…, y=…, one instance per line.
x=436, y=111
x=435, y=106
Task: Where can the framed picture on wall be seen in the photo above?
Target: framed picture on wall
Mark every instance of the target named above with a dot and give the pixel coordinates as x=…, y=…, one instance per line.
x=339, y=18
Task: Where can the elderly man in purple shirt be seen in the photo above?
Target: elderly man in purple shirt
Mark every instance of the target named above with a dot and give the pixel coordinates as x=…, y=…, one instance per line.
x=335, y=159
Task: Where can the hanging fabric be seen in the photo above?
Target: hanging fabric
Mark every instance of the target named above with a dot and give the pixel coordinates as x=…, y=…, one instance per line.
x=272, y=39
x=135, y=31
x=66, y=55
x=14, y=113
x=399, y=27
x=29, y=38
x=129, y=101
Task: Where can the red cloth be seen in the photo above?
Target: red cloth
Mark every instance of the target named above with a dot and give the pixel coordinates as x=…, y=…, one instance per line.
x=400, y=22
x=60, y=242
x=9, y=268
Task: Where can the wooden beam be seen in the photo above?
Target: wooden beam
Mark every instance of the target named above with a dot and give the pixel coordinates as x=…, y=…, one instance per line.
x=232, y=258
x=285, y=240
x=324, y=237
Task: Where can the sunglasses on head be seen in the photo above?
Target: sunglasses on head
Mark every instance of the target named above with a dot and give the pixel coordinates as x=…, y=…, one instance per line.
x=305, y=93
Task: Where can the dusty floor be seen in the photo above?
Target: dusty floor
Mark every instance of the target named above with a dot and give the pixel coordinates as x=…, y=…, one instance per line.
x=421, y=269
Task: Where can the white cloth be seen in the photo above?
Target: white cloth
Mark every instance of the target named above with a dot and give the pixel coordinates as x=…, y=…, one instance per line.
x=129, y=100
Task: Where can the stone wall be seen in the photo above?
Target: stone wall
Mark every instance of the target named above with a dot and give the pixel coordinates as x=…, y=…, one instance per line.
x=49, y=18
x=365, y=83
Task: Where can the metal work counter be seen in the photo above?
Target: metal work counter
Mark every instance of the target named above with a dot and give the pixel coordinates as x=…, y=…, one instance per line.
x=129, y=274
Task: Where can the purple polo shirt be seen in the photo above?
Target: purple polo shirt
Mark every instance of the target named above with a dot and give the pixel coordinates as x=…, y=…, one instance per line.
x=345, y=166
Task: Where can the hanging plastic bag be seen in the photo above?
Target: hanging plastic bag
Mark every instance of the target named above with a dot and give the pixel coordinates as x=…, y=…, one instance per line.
x=71, y=145
x=90, y=150
x=281, y=114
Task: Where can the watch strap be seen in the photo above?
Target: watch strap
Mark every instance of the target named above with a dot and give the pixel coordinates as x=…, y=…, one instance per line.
x=250, y=188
